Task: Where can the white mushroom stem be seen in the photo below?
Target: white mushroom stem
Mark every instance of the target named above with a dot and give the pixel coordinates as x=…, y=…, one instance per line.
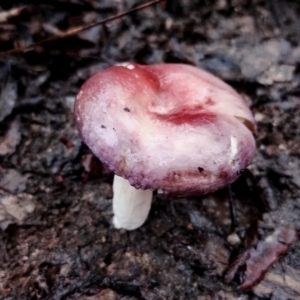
x=130, y=205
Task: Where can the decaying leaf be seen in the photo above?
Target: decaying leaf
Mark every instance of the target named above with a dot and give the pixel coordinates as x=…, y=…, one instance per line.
x=12, y=138
x=15, y=209
x=12, y=181
x=284, y=286
x=258, y=260
x=6, y=15
x=8, y=97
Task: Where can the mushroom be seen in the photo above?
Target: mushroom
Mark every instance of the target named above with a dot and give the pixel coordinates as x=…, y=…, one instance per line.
x=167, y=127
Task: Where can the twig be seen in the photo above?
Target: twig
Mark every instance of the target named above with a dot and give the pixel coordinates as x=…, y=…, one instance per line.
x=74, y=31
x=232, y=209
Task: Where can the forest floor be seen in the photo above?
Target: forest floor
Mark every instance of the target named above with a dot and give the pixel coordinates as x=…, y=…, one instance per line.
x=57, y=240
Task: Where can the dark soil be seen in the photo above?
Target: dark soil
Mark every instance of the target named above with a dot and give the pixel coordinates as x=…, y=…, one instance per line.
x=56, y=236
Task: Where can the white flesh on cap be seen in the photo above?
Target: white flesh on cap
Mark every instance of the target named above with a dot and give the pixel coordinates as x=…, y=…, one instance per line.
x=130, y=205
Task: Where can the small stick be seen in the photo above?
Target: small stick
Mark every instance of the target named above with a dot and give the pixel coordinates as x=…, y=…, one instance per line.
x=232, y=209
x=74, y=31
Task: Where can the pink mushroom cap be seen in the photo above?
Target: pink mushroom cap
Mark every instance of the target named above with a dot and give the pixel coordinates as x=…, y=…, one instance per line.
x=168, y=127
